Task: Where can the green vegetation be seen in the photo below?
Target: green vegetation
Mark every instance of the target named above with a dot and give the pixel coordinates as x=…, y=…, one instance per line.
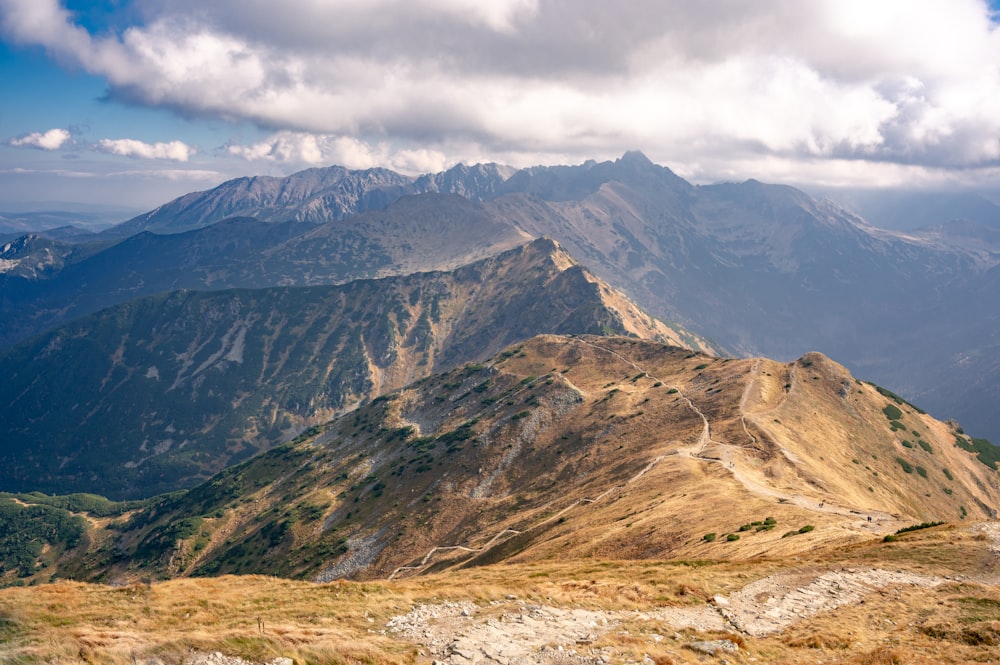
x=906, y=529
x=894, y=397
x=92, y=504
x=708, y=537
x=921, y=471
x=510, y=353
x=926, y=446
x=947, y=474
x=918, y=527
x=988, y=453
x=766, y=525
x=892, y=412
x=907, y=467
x=977, y=609
x=731, y=537
x=27, y=530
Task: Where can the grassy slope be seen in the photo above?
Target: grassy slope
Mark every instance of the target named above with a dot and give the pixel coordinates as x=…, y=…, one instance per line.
x=334, y=623
x=580, y=447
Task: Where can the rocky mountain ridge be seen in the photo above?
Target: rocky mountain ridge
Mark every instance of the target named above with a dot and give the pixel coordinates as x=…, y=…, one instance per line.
x=312, y=196
x=574, y=448
x=767, y=270
x=415, y=234
x=152, y=395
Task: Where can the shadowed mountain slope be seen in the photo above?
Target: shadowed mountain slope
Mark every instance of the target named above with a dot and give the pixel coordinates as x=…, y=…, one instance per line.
x=154, y=394
x=415, y=234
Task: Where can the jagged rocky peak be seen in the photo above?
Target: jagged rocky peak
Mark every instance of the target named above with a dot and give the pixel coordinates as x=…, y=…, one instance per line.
x=476, y=182
x=19, y=246
x=635, y=158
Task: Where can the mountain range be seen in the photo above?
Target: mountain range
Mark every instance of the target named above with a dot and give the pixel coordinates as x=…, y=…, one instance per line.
x=760, y=269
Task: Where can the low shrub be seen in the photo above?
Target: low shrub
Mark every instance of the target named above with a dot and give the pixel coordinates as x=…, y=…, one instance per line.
x=918, y=527
x=892, y=412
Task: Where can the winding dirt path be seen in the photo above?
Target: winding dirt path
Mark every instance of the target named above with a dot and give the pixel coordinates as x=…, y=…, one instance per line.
x=882, y=521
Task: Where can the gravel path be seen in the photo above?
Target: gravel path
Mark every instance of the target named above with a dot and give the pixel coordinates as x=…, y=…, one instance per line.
x=514, y=632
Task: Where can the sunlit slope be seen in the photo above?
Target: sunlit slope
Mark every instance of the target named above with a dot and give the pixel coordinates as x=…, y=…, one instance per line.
x=570, y=447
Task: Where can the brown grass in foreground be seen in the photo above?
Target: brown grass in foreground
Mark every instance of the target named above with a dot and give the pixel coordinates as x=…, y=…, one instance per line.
x=259, y=617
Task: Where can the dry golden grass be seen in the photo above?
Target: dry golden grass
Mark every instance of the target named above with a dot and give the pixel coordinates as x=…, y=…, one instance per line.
x=258, y=617
x=254, y=617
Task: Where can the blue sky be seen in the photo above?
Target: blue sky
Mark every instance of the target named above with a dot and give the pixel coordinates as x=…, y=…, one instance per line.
x=127, y=105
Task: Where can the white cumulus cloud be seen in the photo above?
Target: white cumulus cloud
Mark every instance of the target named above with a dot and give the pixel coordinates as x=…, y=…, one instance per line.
x=174, y=150
x=50, y=140
x=306, y=149
x=711, y=86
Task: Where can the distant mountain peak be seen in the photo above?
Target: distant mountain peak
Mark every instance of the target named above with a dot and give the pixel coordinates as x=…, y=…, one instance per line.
x=634, y=158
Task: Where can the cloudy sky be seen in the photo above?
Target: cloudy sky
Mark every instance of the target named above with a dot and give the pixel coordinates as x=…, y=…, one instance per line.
x=132, y=102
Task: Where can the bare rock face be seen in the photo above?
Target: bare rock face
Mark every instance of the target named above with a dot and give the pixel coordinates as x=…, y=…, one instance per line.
x=313, y=196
